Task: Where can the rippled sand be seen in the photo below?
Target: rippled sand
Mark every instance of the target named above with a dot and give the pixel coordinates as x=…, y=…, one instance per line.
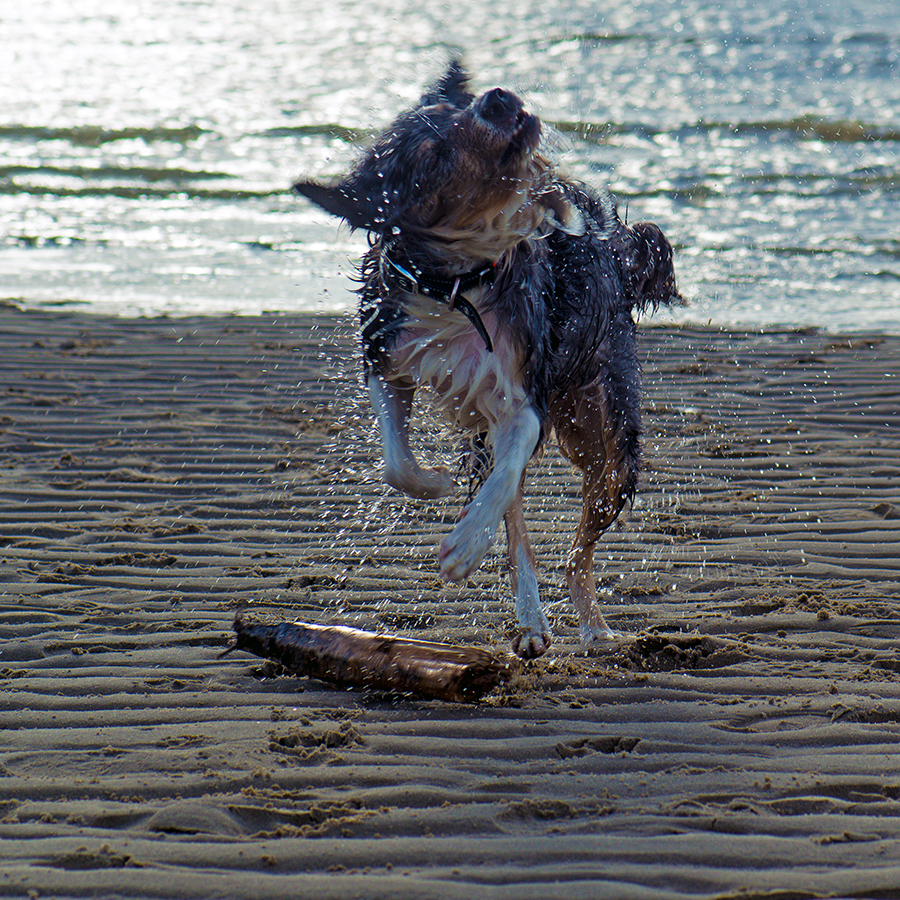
x=741, y=739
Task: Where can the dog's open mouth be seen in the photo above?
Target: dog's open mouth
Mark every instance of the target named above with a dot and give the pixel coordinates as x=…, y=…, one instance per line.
x=524, y=139
x=528, y=131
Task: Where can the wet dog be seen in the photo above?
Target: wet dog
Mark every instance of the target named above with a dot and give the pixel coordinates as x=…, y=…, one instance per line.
x=510, y=292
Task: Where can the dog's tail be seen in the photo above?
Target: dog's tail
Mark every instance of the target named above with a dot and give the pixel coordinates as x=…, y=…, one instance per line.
x=649, y=271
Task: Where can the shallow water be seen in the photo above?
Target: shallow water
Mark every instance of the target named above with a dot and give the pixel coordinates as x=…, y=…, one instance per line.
x=145, y=151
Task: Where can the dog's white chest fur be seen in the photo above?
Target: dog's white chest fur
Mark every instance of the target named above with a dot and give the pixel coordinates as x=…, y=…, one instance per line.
x=439, y=348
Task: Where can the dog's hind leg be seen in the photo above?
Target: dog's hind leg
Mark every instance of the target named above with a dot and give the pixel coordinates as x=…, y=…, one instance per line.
x=599, y=511
x=512, y=441
x=534, y=636
x=392, y=405
x=606, y=449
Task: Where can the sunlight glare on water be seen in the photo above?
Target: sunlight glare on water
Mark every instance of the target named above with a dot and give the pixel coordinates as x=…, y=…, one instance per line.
x=147, y=149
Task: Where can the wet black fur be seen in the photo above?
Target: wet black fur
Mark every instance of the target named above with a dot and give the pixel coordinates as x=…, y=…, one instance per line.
x=568, y=299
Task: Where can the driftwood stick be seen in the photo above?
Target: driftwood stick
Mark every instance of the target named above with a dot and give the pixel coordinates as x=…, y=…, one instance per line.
x=348, y=656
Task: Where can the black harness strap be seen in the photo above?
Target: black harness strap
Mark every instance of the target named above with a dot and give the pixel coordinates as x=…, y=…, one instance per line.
x=446, y=290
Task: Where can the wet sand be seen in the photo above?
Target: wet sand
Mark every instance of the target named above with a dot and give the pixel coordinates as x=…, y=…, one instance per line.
x=740, y=742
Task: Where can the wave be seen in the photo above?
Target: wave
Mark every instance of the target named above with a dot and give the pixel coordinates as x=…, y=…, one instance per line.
x=128, y=182
x=349, y=134
x=143, y=173
x=96, y=135
x=813, y=127
x=802, y=127
x=737, y=38
x=141, y=191
x=805, y=127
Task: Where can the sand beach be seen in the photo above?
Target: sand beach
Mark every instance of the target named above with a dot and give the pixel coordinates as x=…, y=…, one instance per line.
x=741, y=741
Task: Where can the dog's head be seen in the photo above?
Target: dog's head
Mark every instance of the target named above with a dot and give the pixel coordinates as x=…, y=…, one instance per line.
x=453, y=166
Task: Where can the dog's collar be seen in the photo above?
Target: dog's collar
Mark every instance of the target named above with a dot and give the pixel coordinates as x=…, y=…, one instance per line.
x=446, y=290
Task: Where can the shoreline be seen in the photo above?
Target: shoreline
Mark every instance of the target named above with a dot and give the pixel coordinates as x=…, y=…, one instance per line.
x=652, y=321
x=157, y=474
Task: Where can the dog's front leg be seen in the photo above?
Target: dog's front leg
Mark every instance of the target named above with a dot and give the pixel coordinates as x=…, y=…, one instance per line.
x=392, y=405
x=512, y=441
x=534, y=636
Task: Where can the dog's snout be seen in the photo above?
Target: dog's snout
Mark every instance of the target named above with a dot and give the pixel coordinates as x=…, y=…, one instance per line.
x=499, y=105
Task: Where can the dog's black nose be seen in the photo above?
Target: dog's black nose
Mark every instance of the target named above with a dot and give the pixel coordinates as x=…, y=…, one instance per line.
x=499, y=105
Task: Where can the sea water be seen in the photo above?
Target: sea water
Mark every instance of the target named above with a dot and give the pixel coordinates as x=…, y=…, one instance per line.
x=146, y=149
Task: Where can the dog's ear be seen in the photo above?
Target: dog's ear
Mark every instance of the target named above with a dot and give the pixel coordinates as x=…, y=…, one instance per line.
x=365, y=199
x=398, y=172
x=452, y=88
x=339, y=199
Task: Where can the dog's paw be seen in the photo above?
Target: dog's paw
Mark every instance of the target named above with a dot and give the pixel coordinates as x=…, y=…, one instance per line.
x=423, y=484
x=464, y=548
x=435, y=483
x=593, y=629
x=531, y=644
x=595, y=635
